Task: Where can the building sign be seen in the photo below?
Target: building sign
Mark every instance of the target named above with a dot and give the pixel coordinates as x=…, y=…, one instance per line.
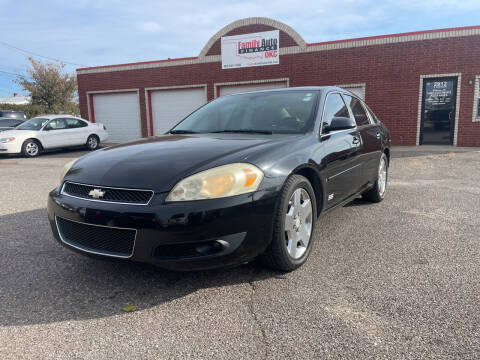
x=258, y=49
x=438, y=94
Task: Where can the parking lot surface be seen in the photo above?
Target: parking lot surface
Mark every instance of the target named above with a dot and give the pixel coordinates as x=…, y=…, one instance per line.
x=399, y=279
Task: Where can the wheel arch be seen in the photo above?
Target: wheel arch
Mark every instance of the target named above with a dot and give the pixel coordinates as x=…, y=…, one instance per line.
x=35, y=139
x=314, y=178
x=94, y=134
x=387, y=153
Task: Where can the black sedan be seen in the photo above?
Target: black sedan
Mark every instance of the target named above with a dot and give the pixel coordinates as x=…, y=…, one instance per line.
x=244, y=176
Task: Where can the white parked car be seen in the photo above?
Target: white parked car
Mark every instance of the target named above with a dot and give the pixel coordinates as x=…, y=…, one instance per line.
x=50, y=132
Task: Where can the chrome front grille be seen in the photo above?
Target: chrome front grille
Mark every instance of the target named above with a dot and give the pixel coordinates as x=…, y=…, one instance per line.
x=107, y=194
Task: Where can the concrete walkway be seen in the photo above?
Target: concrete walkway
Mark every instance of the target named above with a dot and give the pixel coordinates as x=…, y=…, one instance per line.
x=422, y=150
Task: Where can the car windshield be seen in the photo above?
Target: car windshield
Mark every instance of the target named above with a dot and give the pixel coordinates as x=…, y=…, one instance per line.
x=32, y=124
x=289, y=112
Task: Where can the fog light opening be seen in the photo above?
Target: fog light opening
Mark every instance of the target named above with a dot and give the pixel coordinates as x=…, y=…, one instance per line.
x=211, y=247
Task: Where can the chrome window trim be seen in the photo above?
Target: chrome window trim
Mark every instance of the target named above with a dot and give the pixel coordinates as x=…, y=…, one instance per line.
x=92, y=251
x=369, y=114
x=323, y=114
x=62, y=192
x=336, y=132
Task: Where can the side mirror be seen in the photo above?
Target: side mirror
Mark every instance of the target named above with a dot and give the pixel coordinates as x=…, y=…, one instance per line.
x=47, y=128
x=340, y=123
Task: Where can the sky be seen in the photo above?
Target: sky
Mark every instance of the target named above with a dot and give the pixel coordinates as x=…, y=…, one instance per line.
x=103, y=32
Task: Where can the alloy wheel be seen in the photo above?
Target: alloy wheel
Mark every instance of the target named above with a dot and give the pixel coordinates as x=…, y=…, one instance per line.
x=298, y=223
x=92, y=142
x=32, y=148
x=382, y=176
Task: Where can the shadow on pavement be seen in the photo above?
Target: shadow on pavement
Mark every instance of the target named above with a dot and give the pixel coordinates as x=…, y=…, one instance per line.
x=358, y=202
x=42, y=282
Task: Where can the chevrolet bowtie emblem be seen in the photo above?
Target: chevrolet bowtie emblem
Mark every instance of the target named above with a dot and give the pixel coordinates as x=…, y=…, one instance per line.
x=96, y=193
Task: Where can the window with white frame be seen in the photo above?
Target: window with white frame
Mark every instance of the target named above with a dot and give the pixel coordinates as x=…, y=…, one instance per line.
x=476, y=104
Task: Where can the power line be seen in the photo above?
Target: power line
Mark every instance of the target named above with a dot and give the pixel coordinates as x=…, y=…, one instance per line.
x=10, y=73
x=12, y=67
x=15, y=74
x=38, y=55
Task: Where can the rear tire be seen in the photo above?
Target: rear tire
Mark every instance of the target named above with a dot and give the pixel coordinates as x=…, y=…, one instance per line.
x=294, y=225
x=31, y=148
x=377, y=192
x=93, y=142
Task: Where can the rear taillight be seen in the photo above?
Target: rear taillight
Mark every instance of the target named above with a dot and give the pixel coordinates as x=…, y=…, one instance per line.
x=104, y=128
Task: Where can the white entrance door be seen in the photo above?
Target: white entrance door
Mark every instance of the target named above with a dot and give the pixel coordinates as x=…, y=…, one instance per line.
x=120, y=113
x=169, y=107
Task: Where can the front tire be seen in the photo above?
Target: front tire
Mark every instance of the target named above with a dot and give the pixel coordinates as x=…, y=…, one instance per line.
x=93, y=142
x=31, y=148
x=377, y=192
x=293, y=227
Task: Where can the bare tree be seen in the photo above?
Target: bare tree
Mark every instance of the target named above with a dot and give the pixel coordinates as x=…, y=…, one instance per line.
x=49, y=86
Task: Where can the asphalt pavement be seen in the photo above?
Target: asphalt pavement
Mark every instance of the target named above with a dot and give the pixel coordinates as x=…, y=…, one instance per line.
x=395, y=280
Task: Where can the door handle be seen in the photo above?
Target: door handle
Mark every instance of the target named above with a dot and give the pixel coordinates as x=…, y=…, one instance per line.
x=355, y=140
x=378, y=135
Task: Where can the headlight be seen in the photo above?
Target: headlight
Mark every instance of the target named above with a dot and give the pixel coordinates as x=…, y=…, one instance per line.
x=66, y=168
x=7, y=140
x=219, y=182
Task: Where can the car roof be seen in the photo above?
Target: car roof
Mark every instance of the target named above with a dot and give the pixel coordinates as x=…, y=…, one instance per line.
x=304, y=88
x=55, y=116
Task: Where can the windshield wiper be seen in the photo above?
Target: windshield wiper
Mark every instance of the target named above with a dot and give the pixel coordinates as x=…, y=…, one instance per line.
x=183, y=132
x=239, y=131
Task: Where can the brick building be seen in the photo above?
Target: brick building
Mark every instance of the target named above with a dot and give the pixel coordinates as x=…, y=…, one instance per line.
x=423, y=85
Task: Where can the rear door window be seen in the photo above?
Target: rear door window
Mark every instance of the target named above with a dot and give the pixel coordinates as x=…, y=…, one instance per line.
x=334, y=107
x=359, y=112
x=75, y=123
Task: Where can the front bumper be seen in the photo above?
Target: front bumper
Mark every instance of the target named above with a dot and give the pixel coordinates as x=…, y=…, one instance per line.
x=10, y=148
x=181, y=236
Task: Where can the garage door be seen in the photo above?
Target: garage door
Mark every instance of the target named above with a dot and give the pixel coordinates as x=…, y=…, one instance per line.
x=228, y=90
x=171, y=106
x=357, y=90
x=120, y=113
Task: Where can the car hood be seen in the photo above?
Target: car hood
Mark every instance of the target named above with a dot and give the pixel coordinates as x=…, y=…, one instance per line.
x=21, y=134
x=158, y=163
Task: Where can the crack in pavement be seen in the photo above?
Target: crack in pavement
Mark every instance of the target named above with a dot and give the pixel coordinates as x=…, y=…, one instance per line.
x=251, y=309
